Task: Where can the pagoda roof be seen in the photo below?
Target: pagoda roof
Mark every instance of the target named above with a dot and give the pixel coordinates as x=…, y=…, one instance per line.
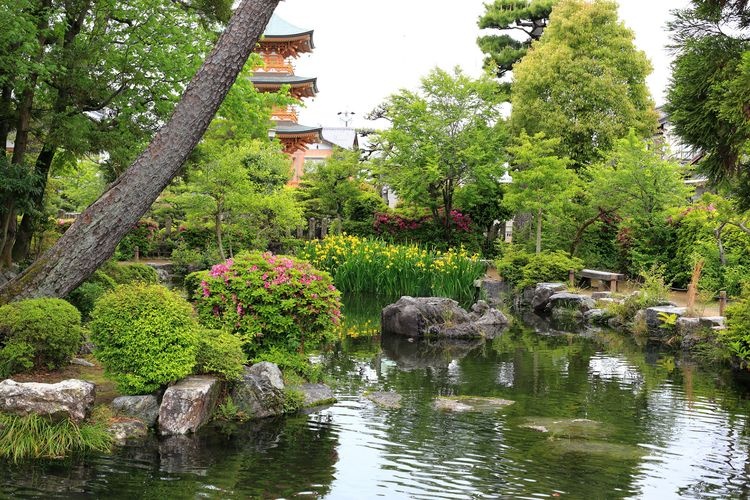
x=300, y=86
x=284, y=127
x=296, y=137
x=280, y=32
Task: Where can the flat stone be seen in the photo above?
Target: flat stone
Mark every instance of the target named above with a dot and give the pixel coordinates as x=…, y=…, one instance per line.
x=385, y=399
x=70, y=398
x=580, y=428
x=260, y=391
x=601, y=295
x=81, y=362
x=125, y=430
x=470, y=403
x=573, y=301
x=188, y=405
x=653, y=318
x=144, y=408
x=316, y=394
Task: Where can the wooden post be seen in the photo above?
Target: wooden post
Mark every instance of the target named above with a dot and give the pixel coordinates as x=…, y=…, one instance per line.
x=722, y=302
x=613, y=285
x=324, y=227
x=137, y=253
x=572, y=278
x=311, y=228
x=300, y=232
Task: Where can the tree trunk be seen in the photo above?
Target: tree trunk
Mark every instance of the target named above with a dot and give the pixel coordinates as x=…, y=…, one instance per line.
x=217, y=230
x=539, y=231
x=28, y=222
x=93, y=237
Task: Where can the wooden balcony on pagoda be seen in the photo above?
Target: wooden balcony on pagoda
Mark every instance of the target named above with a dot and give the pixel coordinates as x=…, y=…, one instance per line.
x=275, y=63
x=284, y=113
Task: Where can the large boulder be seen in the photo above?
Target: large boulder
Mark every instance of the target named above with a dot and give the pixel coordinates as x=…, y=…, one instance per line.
x=126, y=430
x=143, y=408
x=316, y=394
x=188, y=405
x=655, y=319
x=260, y=392
x=70, y=398
x=441, y=317
x=542, y=294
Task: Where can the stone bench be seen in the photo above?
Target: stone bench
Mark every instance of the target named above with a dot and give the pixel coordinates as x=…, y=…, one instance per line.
x=603, y=276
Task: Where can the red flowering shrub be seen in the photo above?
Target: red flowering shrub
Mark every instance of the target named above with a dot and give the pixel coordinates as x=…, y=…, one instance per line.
x=269, y=301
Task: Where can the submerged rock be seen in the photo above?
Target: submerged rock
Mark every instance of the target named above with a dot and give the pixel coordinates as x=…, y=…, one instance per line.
x=124, y=430
x=602, y=449
x=567, y=427
x=188, y=405
x=144, y=408
x=70, y=398
x=316, y=394
x=386, y=399
x=260, y=392
x=470, y=403
x=441, y=317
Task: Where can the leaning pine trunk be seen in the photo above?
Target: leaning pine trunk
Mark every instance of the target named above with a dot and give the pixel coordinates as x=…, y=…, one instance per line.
x=96, y=232
x=539, y=231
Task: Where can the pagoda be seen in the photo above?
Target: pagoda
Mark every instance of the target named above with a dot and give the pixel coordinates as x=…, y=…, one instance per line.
x=281, y=43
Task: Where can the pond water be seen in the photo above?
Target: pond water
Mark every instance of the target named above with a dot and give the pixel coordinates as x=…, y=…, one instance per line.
x=594, y=416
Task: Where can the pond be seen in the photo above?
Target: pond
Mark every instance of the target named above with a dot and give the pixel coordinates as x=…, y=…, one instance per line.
x=593, y=416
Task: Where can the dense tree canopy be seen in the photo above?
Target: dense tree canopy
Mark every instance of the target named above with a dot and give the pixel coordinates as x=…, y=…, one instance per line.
x=439, y=137
x=708, y=97
x=524, y=18
x=583, y=82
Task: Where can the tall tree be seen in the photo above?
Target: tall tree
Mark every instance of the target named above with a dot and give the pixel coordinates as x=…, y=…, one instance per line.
x=93, y=237
x=526, y=19
x=708, y=97
x=439, y=136
x=542, y=182
x=584, y=82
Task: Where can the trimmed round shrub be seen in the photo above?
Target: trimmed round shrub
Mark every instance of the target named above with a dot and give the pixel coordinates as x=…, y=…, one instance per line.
x=85, y=296
x=130, y=272
x=145, y=337
x=220, y=353
x=38, y=333
x=269, y=301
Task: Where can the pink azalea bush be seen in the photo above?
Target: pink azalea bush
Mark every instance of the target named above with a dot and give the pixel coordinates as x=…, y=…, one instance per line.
x=269, y=301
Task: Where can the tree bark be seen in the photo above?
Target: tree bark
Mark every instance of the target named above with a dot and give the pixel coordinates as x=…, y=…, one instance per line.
x=539, y=231
x=93, y=237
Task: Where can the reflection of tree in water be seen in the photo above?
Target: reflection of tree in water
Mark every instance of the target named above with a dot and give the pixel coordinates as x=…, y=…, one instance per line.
x=259, y=459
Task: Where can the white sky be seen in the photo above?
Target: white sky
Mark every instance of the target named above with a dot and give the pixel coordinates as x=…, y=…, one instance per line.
x=365, y=51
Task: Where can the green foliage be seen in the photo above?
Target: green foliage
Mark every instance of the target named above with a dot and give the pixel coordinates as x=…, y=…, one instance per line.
x=33, y=437
x=145, y=337
x=85, y=296
x=294, y=400
x=187, y=260
x=228, y=410
x=653, y=292
x=143, y=236
x=269, y=301
x=38, y=333
x=583, y=82
x=371, y=266
x=293, y=364
x=707, y=96
x=130, y=272
x=439, y=137
x=220, y=353
x=737, y=335
x=522, y=269
x=510, y=16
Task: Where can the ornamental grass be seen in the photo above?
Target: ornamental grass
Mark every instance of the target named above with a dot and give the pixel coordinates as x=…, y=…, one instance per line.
x=361, y=265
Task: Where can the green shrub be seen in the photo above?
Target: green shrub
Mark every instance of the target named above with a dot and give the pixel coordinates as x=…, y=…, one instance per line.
x=653, y=292
x=130, y=272
x=35, y=437
x=268, y=301
x=737, y=335
x=523, y=269
x=85, y=296
x=187, y=260
x=294, y=400
x=221, y=353
x=192, y=284
x=38, y=333
x=145, y=336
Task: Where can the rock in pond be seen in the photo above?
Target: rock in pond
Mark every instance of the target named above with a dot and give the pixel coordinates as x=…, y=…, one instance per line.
x=571, y=301
x=188, y=405
x=441, y=317
x=316, y=394
x=69, y=398
x=470, y=403
x=566, y=427
x=385, y=399
x=654, y=318
x=124, y=430
x=542, y=294
x=260, y=392
x=144, y=408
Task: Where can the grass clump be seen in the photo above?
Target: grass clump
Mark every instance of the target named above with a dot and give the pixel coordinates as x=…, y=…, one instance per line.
x=34, y=437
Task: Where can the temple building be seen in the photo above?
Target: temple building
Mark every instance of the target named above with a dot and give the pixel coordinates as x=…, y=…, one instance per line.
x=283, y=42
